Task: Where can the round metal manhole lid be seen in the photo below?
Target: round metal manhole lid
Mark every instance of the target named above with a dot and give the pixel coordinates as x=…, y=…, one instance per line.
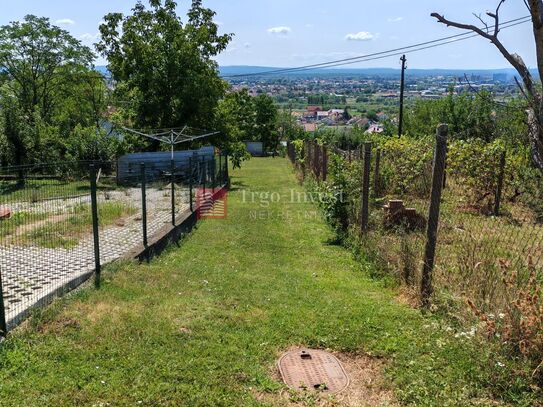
x=311, y=369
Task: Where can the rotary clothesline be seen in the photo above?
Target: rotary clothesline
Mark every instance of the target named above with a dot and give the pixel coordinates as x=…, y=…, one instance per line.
x=173, y=136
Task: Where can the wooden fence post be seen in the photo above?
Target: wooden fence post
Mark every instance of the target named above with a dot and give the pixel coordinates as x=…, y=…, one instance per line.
x=499, y=189
x=433, y=214
x=376, y=173
x=324, y=163
x=317, y=161
x=366, y=187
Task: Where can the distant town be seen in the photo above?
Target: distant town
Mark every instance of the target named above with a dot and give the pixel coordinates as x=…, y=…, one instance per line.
x=344, y=99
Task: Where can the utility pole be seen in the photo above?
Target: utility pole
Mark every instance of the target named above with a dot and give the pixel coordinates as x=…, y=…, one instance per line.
x=402, y=86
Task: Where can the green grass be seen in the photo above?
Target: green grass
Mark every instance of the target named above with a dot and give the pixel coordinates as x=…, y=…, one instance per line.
x=54, y=231
x=203, y=325
x=38, y=190
x=66, y=233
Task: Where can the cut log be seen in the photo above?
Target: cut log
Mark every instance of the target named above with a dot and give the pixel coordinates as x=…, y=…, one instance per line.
x=5, y=213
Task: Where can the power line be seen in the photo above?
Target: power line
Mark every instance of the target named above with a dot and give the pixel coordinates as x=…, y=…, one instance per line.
x=384, y=54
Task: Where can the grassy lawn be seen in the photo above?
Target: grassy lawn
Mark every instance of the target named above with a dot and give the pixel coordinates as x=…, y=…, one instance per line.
x=204, y=324
x=65, y=230
x=35, y=190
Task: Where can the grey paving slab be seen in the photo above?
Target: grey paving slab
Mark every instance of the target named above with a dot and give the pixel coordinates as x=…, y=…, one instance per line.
x=31, y=273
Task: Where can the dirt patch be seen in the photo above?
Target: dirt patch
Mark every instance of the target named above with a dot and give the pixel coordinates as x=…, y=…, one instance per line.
x=408, y=296
x=59, y=325
x=367, y=386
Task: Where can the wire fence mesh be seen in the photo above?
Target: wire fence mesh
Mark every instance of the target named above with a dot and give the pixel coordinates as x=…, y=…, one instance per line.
x=59, y=223
x=483, y=258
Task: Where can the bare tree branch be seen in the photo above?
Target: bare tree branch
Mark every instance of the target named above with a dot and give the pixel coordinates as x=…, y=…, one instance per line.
x=469, y=83
x=513, y=59
x=521, y=89
x=478, y=17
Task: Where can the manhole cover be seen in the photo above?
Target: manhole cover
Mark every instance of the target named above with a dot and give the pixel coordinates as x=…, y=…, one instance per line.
x=313, y=370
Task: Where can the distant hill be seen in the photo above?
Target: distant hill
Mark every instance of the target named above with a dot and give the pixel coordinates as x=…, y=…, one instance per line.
x=380, y=72
x=368, y=72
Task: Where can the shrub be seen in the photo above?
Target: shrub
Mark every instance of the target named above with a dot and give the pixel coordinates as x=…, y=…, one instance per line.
x=407, y=165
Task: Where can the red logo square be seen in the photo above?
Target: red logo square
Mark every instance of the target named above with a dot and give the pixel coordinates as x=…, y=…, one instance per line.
x=212, y=203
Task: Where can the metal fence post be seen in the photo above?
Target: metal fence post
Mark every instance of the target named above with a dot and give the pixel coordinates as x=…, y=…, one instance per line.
x=226, y=170
x=204, y=176
x=433, y=214
x=366, y=187
x=221, y=173
x=172, y=166
x=95, y=225
x=213, y=165
x=3, y=324
x=499, y=188
x=144, y=204
x=190, y=184
x=376, y=173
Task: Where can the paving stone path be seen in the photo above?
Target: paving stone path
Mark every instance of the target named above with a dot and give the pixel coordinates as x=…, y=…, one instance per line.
x=31, y=274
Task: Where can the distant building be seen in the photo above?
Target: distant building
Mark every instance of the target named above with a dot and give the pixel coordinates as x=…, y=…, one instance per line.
x=255, y=148
x=375, y=128
x=499, y=77
x=322, y=115
x=310, y=127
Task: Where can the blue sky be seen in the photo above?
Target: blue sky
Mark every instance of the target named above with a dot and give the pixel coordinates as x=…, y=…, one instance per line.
x=294, y=32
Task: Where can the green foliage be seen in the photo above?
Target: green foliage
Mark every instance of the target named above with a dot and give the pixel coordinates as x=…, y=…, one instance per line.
x=476, y=165
x=326, y=100
x=469, y=117
x=406, y=165
x=166, y=68
x=241, y=117
x=266, y=122
x=333, y=198
x=49, y=94
x=37, y=57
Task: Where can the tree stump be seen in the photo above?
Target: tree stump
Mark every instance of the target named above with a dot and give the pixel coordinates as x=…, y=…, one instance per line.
x=397, y=215
x=5, y=213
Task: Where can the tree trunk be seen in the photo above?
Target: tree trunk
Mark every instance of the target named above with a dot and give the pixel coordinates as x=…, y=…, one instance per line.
x=535, y=134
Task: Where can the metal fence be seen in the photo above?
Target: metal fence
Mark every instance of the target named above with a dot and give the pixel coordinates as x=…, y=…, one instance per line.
x=60, y=223
x=425, y=232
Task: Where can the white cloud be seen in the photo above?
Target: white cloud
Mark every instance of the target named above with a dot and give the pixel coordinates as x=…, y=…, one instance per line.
x=309, y=26
x=395, y=19
x=281, y=30
x=65, y=21
x=361, y=36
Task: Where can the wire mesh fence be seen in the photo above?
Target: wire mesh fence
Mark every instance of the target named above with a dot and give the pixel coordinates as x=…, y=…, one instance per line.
x=489, y=248
x=59, y=223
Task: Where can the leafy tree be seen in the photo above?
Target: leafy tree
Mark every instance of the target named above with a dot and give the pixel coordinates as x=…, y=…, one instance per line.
x=266, y=122
x=37, y=57
x=346, y=115
x=48, y=90
x=235, y=118
x=163, y=66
